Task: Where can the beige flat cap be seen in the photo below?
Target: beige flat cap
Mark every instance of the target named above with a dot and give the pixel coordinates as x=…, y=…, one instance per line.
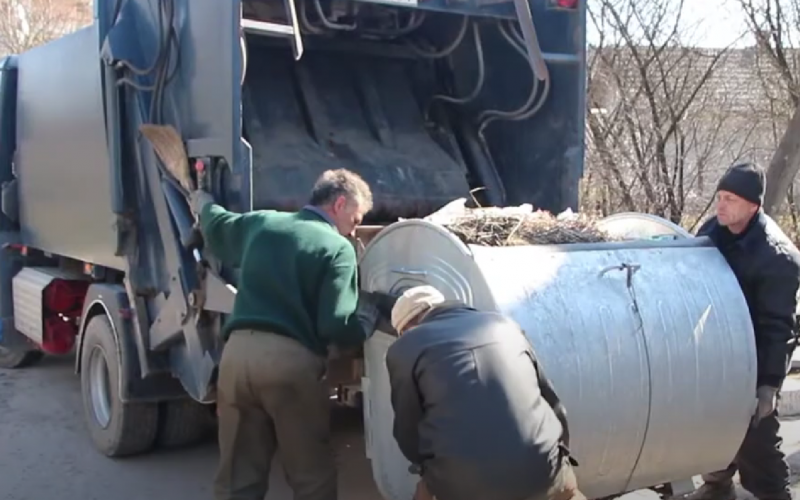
x=414, y=302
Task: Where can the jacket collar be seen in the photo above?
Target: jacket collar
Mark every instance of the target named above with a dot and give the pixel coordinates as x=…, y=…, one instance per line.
x=320, y=213
x=753, y=233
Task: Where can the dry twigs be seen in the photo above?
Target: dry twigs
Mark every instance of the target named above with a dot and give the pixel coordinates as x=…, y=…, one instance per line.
x=517, y=226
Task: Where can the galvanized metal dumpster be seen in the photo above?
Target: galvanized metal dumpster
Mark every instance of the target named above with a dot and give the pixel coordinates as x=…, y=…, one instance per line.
x=648, y=343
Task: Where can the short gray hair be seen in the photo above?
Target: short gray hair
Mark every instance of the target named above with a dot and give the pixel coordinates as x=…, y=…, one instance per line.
x=341, y=182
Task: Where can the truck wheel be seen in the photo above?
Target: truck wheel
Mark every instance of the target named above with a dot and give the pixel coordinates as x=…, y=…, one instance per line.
x=117, y=429
x=183, y=423
x=10, y=358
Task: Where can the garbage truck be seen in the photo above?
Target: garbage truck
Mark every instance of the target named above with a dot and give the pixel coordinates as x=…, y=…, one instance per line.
x=430, y=101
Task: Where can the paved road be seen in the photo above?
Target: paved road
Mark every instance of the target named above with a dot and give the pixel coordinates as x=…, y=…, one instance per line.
x=45, y=452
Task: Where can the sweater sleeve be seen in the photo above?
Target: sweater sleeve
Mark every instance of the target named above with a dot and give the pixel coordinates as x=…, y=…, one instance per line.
x=337, y=321
x=223, y=233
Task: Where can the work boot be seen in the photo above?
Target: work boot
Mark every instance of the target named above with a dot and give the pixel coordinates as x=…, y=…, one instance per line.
x=712, y=491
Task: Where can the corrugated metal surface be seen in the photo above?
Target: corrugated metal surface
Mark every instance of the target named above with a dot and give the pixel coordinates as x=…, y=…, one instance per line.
x=654, y=361
x=27, y=289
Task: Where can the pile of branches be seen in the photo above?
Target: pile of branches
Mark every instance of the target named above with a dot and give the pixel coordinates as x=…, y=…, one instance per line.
x=515, y=226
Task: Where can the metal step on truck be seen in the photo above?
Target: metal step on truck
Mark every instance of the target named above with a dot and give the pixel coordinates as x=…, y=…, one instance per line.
x=430, y=101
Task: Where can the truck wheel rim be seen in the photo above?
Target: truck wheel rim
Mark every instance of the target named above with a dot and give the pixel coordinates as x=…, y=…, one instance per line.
x=100, y=387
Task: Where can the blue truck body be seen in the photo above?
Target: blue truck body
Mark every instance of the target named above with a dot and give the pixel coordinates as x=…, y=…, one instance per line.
x=93, y=231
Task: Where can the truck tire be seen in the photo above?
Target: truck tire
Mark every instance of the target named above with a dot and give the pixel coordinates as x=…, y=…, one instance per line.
x=11, y=359
x=183, y=423
x=117, y=429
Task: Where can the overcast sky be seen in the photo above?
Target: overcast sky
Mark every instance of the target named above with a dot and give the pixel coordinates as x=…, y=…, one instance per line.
x=720, y=22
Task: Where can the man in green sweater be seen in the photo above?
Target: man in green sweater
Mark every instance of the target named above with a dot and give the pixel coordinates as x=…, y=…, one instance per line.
x=298, y=294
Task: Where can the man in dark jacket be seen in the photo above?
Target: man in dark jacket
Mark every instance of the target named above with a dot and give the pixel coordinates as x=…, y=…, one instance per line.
x=767, y=265
x=474, y=413
x=298, y=295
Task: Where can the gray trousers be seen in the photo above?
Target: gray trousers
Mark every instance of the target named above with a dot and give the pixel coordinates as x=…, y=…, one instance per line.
x=762, y=465
x=271, y=396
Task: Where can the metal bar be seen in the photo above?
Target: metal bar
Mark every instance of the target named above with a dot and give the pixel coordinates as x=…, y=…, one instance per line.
x=496, y=10
x=298, y=37
x=553, y=57
x=366, y=47
x=266, y=28
x=531, y=40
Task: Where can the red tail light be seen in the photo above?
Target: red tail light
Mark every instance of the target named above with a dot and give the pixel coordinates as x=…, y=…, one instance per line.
x=64, y=297
x=564, y=4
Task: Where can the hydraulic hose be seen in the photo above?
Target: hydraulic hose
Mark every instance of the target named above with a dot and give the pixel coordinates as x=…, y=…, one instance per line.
x=476, y=34
x=525, y=111
x=447, y=50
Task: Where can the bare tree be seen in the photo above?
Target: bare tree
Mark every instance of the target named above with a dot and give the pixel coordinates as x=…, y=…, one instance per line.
x=24, y=24
x=657, y=128
x=774, y=25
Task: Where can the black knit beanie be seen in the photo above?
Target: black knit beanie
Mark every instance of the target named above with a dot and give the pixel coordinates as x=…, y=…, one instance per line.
x=746, y=180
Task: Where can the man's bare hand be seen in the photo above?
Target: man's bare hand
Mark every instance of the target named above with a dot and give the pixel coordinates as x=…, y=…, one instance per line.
x=198, y=199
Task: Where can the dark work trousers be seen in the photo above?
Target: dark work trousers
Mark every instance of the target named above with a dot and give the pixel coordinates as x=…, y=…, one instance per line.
x=762, y=465
x=271, y=396
x=564, y=487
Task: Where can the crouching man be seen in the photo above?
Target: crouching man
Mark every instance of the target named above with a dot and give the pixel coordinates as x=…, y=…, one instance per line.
x=474, y=412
